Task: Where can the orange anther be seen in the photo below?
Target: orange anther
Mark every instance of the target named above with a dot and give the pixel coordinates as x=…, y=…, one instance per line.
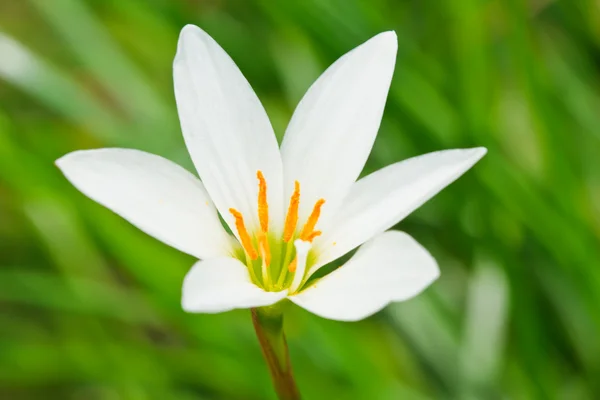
x=244, y=237
x=313, y=235
x=293, y=264
x=265, y=251
x=309, y=226
x=263, y=207
x=291, y=219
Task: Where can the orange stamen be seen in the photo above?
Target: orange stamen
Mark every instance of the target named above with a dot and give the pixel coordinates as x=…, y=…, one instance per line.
x=291, y=219
x=313, y=235
x=309, y=226
x=263, y=207
x=263, y=244
x=293, y=264
x=244, y=237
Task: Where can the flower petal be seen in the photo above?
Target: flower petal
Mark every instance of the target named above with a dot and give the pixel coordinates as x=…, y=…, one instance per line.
x=333, y=128
x=380, y=200
x=226, y=129
x=390, y=267
x=154, y=194
x=223, y=284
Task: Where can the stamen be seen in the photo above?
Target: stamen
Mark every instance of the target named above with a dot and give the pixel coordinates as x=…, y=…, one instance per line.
x=265, y=251
x=263, y=207
x=313, y=235
x=263, y=246
x=302, y=249
x=244, y=237
x=293, y=265
x=309, y=226
x=291, y=219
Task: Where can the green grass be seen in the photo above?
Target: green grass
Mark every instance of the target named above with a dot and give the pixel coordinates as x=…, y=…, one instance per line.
x=89, y=306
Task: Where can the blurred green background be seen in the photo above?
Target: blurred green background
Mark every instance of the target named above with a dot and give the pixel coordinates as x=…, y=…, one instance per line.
x=90, y=306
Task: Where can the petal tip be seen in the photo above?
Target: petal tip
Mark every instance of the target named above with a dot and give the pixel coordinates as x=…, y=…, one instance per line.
x=387, y=39
x=479, y=152
x=389, y=35
x=190, y=29
x=189, y=39
x=65, y=161
x=60, y=162
x=383, y=44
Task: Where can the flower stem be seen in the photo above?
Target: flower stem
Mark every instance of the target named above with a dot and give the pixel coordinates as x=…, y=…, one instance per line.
x=268, y=324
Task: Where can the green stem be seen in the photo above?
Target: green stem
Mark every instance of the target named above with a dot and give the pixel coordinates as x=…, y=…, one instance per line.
x=268, y=324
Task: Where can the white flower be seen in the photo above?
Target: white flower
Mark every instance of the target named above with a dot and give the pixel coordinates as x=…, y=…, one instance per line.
x=292, y=209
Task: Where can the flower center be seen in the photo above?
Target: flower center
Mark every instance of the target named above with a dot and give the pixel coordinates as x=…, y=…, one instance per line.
x=277, y=263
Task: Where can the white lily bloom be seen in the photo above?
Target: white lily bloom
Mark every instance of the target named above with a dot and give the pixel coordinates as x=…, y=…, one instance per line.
x=291, y=209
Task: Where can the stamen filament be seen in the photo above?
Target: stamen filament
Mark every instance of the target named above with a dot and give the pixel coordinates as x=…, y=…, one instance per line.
x=291, y=219
x=302, y=249
x=263, y=206
x=265, y=275
x=244, y=236
x=293, y=265
x=309, y=226
x=265, y=251
x=265, y=254
x=286, y=260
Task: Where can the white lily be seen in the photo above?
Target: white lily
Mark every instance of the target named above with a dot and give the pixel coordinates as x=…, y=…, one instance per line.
x=291, y=209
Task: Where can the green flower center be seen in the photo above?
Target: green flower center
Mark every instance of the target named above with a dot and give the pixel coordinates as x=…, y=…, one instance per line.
x=277, y=262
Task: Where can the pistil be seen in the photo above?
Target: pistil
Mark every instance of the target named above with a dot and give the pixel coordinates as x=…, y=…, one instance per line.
x=263, y=245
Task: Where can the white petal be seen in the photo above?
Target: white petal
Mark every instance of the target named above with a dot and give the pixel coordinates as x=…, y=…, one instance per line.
x=391, y=267
x=226, y=129
x=154, y=194
x=223, y=284
x=333, y=128
x=380, y=200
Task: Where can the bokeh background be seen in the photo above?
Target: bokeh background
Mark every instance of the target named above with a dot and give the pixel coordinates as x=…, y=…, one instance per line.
x=90, y=306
